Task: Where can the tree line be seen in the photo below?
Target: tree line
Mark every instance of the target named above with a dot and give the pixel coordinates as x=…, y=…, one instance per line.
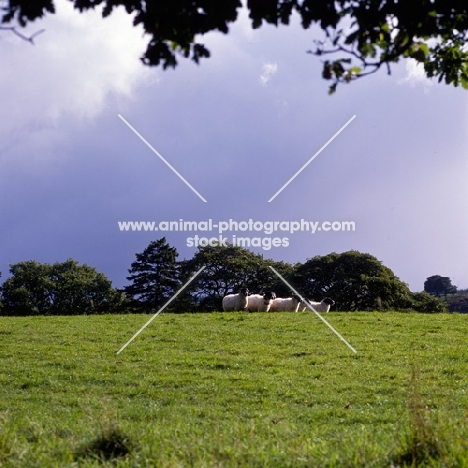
x=355, y=281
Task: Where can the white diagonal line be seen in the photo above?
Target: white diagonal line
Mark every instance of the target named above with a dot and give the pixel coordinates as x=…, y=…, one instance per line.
x=312, y=158
x=161, y=309
x=316, y=313
x=161, y=157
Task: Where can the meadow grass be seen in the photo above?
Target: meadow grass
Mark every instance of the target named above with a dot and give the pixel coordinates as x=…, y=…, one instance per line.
x=234, y=390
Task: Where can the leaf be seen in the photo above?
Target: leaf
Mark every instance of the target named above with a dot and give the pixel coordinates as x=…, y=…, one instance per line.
x=464, y=81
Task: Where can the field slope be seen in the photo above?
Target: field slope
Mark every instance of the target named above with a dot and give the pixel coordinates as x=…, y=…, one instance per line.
x=234, y=390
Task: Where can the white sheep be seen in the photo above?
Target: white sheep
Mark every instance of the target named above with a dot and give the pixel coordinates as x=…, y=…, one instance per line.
x=288, y=304
x=323, y=306
x=236, y=301
x=259, y=302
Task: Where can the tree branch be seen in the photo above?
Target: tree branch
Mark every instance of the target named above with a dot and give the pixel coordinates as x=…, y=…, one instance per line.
x=22, y=36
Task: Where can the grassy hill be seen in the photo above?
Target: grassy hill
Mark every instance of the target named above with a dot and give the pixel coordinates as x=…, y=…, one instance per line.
x=234, y=390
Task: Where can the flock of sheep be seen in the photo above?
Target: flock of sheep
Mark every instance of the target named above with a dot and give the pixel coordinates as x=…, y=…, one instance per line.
x=268, y=302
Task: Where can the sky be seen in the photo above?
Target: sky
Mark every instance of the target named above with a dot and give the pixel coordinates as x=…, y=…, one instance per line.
x=236, y=128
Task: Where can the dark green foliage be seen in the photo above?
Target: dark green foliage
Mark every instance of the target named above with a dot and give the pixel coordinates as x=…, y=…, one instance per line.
x=439, y=285
x=80, y=289
x=383, y=32
x=459, y=302
x=354, y=280
x=62, y=288
x=27, y=292
x=154, y=275
x=25, y=11
x=368, y=34
x=227, y=270
x=286, y=270
x=424, y=302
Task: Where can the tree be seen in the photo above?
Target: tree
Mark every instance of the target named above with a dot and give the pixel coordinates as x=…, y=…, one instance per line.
x=354, y=280
x=27, y=291
x=438, y=285
x=78, y=289
x=154, y=275
x=358, y=281
x=227, y=269
x=424, y=302
x=369, y=34
x=459, y=302
x=62, y=288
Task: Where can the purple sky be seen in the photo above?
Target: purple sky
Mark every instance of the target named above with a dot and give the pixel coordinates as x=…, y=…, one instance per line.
x=237, y=127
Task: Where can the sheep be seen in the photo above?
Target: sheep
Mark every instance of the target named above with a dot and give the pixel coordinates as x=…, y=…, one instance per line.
x=323, y=306
x=260, y=303
x=236, y=301
x=289, y=304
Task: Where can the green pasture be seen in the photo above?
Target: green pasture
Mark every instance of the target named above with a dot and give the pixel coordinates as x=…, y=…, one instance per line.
x=234, y=390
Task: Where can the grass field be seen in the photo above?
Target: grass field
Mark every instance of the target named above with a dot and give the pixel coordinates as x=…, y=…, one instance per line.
x=234, y=390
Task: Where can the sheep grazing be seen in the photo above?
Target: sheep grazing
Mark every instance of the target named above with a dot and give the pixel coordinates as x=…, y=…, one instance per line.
x=288, y=304
x=236, y=301
x=260, y=303
x=323, y=306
